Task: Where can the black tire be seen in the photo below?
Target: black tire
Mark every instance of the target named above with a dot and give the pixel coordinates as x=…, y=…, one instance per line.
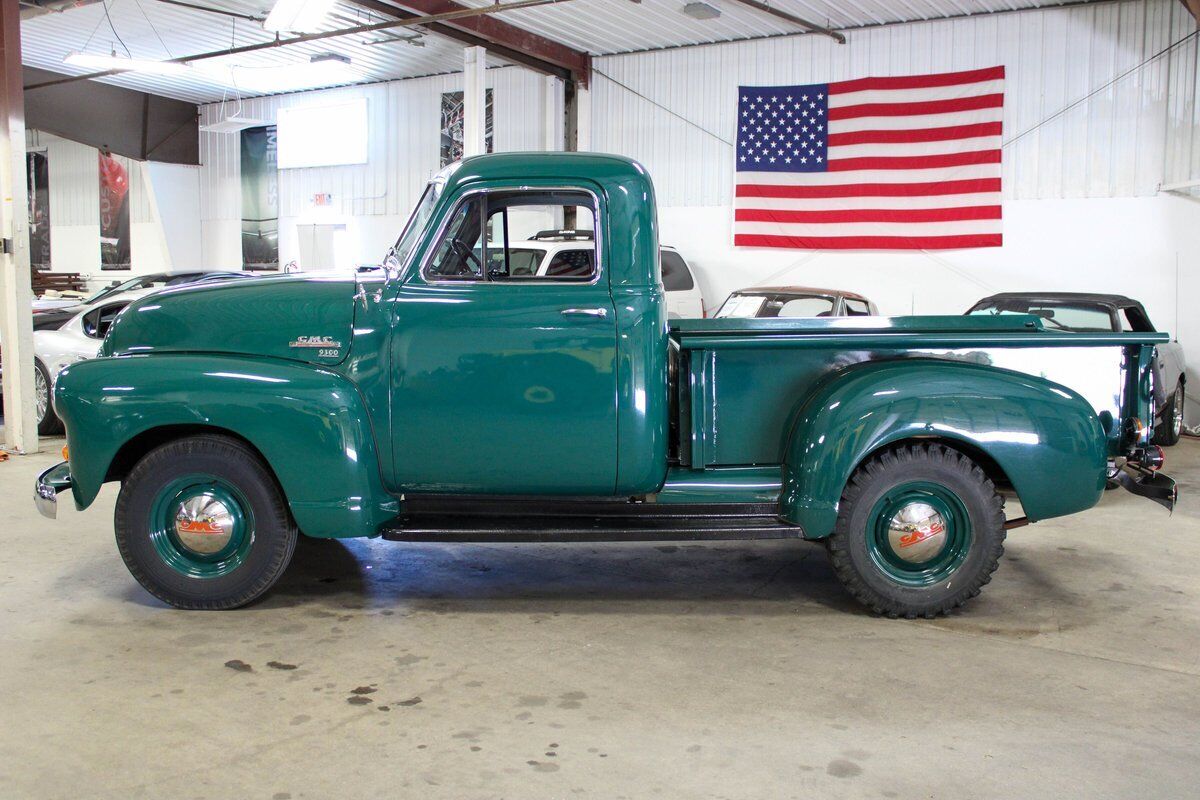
x=48, y=423
x=857, y=561
x=1169, y=430
x=269, y=535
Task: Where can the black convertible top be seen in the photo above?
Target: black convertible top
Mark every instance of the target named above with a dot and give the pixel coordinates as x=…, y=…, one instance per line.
x=1115, y=300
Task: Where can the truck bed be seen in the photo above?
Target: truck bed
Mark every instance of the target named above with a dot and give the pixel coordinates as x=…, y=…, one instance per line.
x=738, y=379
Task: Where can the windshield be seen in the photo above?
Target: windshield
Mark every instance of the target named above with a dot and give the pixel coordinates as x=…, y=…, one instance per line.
x=777, y=305
x=416, y=223
x=1054, y=316
x=120, y=287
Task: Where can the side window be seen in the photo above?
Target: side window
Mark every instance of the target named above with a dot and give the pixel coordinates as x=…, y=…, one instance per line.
x=675, y=275
x=97, y=322
x=515, y=235
x=857, y=308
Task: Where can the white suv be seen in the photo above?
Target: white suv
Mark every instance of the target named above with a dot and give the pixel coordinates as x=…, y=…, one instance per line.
x=569, y=253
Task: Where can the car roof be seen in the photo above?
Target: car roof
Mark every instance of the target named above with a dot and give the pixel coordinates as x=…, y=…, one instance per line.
x=1065, y=297
x=802, y=290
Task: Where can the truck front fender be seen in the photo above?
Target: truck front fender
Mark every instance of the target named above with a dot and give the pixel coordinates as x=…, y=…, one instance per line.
x=1045, y=438
x=309, y=423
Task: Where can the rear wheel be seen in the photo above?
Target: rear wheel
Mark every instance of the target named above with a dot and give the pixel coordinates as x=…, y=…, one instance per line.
x=1170, y=429
x=202, y=524
x=920, y=530
x=48, y=423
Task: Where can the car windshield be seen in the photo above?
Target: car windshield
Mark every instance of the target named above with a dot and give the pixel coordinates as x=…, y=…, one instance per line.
x=1078, y=318
x=777, y=305
x=416, y=223
x=120, y=287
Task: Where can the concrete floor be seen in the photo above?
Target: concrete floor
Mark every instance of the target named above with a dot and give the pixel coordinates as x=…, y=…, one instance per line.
x=608, y=671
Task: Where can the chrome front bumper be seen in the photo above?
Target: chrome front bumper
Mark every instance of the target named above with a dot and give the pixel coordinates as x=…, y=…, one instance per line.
x=49, y=484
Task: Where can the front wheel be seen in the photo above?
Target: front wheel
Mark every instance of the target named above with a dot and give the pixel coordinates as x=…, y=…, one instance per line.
x=48, y=423
x=202, y=524
x=920, y=530
x=1168, y=433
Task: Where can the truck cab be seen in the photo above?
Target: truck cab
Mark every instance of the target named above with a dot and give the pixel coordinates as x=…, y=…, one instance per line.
x=452, y=395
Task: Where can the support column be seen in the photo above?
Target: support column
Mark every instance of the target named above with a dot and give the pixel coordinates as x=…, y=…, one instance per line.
x=581, y=116
x=554, y=135
x=16, y=315
x=474, y=101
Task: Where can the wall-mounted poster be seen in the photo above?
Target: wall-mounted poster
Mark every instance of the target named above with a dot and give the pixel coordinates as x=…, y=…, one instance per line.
x=38, y=169
x=452, y=125
x=260, y=199
x=114, y=213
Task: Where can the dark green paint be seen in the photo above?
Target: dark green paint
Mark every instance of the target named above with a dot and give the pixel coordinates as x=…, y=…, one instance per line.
x=721, y=485
x=310, y=425
x=488, y=388
x=1045, y=437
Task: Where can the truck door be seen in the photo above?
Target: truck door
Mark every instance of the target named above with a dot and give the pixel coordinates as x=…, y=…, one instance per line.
x=504, y=377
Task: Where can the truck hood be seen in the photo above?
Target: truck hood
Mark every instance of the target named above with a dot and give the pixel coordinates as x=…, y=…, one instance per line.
x=301, y=318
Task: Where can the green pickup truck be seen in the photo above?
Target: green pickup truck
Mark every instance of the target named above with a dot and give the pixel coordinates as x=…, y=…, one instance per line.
x=449, y=397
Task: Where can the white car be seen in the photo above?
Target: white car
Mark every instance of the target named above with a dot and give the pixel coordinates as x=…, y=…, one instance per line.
x=78, y=338
x=567, y=253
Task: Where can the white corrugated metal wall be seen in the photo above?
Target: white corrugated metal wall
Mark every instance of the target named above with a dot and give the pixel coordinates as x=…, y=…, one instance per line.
x=1124, y=141
x=402, y=146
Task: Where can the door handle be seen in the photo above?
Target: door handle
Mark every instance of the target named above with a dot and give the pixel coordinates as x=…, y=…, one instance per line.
x=598, y=313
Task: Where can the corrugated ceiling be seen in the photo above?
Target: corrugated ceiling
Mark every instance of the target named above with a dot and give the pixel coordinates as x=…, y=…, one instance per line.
x=153, y=29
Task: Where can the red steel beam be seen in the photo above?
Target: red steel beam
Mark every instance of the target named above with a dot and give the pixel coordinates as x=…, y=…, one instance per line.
x=500, y=33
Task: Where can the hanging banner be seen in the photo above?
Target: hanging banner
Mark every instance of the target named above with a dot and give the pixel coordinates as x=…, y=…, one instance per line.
x=37, y=167
x=452, y=125
x=260, y=199
x=114, y=214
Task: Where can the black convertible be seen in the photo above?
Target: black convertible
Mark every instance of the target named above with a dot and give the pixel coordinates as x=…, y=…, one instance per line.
x=1083, y=312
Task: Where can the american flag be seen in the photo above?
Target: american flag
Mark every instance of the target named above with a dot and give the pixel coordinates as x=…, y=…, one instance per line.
x=909, y=162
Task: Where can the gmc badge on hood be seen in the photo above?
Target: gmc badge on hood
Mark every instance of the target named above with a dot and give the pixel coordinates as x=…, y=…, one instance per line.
x=316, y=341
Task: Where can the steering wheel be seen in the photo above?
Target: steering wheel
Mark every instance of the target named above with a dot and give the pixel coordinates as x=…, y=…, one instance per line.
x=466, y=254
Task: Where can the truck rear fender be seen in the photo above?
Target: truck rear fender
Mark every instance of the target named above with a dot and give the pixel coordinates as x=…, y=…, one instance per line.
x=309, y=424
x=1043, y=438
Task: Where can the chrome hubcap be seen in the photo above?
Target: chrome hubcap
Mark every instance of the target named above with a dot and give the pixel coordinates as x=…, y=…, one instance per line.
x=917, y=533
x=41, y=393
x=1177, y=423
x=203, y=524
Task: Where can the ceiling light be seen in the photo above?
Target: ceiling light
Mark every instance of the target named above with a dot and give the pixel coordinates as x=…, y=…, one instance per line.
x=114, y=61
x=298, y=15
x=326, y=69
x=701, y=11
x=233, y=123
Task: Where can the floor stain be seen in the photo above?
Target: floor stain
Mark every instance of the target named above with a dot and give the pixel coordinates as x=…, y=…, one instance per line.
x=841, y=768
x=280, y=665
x=542, y=766
x=364, y=690
x=359, y=700
x=412, y=701
x=238, y=665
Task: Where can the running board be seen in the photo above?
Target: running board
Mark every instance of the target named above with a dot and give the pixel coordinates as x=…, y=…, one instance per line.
x=600, y=522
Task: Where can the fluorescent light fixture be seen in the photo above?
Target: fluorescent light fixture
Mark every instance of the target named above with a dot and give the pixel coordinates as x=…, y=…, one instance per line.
x=114, y=61
x=233, y=124
x=701, y=11
x=298, y=15
x=323, y=135
x=328, y=69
